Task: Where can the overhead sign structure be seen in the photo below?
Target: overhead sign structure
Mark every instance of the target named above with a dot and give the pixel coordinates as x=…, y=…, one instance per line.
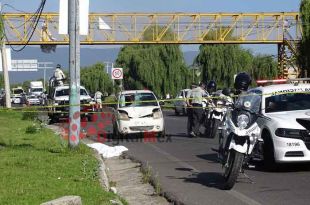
x=63, y=16
x=25, y=65
x=103, y=25
x=8, y=60
x=117, y=73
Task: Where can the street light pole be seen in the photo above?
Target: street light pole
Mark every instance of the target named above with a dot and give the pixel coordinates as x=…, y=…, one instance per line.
x=74, y=62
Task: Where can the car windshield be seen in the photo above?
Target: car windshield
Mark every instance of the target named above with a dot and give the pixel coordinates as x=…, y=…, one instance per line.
x=137, y=100
x=250, y=101
x=287, y=102
x=37, y=89
x=18, y=91
x=65, y=92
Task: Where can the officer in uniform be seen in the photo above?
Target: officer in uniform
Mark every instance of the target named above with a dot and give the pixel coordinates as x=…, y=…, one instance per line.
x=59, y=75
x=195, y=104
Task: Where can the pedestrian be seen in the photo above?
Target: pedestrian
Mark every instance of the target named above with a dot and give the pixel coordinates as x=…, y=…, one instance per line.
x=59, y=75
x=98, y=99
x=195, y=98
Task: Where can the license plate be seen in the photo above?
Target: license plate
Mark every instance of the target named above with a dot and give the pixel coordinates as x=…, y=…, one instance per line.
x=139, y=123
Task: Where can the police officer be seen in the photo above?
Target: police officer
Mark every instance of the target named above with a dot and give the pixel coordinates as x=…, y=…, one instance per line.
x=211, y=87
x=59, y=75
x=242, y=83
x=195, y=104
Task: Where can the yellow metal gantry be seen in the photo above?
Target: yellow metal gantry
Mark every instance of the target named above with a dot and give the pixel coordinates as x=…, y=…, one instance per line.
x=182, y=28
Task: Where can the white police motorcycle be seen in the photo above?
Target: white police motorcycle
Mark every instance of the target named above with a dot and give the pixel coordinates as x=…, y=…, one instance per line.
x=239, y=138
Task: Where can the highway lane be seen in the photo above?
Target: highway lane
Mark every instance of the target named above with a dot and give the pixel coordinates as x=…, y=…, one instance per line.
x=188, y=169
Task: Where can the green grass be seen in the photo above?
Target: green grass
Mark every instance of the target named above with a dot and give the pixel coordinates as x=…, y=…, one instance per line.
x=38, y=167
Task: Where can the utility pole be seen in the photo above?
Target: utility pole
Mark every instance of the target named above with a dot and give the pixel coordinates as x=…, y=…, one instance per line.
x=74, y=62
x=6, y=75
x=5, y=66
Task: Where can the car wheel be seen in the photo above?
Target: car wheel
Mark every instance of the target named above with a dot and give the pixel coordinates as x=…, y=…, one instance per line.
x=184, y=111
x=268, y=152
x=176, y=112
x=162, y=134
x=116, y=133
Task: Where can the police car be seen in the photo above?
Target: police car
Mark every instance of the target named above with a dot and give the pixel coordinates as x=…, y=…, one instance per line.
x=282, y=108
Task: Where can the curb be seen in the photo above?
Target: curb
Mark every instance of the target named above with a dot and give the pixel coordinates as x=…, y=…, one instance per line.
x=170, y=197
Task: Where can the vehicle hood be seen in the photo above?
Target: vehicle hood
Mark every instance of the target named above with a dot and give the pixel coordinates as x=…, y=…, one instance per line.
x=137, y=112
x=288, y=119
x=66, y=98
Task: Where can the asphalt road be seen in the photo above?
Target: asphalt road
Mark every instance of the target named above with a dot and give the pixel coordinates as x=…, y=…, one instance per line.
x=188, y=169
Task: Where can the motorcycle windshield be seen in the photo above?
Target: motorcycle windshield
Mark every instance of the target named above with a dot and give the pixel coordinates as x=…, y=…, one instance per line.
x=250, y=102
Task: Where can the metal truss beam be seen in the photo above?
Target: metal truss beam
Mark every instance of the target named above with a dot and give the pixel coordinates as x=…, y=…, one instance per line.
x=164, y=28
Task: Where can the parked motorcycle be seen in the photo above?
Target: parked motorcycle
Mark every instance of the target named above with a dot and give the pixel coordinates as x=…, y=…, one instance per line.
x=238, y=138
x=217, y=113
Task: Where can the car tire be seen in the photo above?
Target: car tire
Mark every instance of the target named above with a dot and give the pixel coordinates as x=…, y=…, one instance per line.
x=116, y=134
x=162, y=134
x=176, y=112
x=268, y=152
x=184, y=111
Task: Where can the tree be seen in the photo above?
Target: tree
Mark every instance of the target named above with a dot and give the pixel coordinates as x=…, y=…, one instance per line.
x=304, y=48
x=264, y=67
x=160, y=68
x=222, y=62
x=94, y=78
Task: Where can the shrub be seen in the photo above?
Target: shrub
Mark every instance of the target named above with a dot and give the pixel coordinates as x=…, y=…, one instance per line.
x=30, y=113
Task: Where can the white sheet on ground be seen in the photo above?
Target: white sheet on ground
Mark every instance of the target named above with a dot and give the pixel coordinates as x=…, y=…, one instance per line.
x=107, y=151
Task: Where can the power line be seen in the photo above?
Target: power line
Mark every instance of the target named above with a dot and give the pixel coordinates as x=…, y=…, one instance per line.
x=35, y=21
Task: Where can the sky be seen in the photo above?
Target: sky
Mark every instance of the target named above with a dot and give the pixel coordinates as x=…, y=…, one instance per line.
x=152, y=6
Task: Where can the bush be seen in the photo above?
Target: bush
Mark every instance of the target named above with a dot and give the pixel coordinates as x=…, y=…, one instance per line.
x=110, y=101
x=30, y=114
x=31, y=129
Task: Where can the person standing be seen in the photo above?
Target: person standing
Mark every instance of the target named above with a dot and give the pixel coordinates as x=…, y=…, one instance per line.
x=196, y=95
x=59, y=75
x=98, y=99
x=189, y=110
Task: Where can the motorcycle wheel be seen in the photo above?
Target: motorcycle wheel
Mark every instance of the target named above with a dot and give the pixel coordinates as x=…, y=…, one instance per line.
x=214, y=128
x=232, y=168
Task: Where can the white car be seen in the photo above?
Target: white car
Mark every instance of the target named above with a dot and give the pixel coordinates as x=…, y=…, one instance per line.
x=33, y=100
x=138, y=111
x=285, y=140
x=180, y=102
x=59, y=103
x=180, y=105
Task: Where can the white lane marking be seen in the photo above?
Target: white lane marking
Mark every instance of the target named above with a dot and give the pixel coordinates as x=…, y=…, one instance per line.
x=233, y=193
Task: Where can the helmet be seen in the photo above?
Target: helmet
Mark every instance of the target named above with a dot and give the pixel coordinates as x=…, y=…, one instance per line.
x=211, y=87
x=58, y=66
x=226, y=91
x=242, y=81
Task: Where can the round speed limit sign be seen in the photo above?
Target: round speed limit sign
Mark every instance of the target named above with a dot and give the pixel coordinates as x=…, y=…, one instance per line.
x=117, y=73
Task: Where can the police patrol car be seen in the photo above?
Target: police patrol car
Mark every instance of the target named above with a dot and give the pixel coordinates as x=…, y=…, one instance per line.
x=283, y=107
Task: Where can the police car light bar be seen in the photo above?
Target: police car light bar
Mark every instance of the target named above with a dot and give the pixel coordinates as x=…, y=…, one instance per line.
x=271, y=81
x=282, y=80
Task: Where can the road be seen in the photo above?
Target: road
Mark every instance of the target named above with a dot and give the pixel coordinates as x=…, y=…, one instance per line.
x=187, y=168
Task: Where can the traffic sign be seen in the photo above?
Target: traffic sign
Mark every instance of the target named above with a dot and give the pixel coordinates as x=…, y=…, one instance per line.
x=117, y=73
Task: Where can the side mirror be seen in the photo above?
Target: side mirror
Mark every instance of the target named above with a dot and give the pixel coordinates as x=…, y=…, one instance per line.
x=161, y=103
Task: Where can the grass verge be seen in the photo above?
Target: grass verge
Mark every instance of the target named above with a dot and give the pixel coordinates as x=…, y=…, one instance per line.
x=37, y=167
